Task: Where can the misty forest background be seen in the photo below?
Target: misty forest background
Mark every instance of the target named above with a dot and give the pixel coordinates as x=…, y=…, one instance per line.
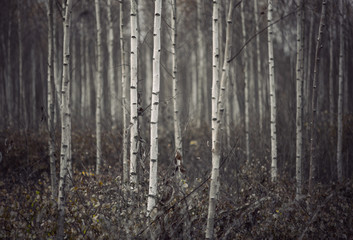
x=250, y=205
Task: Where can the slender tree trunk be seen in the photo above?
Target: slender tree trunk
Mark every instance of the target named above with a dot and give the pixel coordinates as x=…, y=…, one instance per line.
x=246, y=86
x=6, y=45
x=194, y=103
x=33, y=90
x=99, y=81
x=57, y=76
x=152, y=193
x=213, y=196
x=177, y=130
x=123, y=98
x=148, y=92
x=340, y=96
x=258, y=65
x=273, y=104
x=134, y=136
x=51, y=100
x=215, y=68
x=236, y=108
x=111, y=69
x=65, y=118
x=332, y=76
x=217, y=111
x=299, y=114
x=83, y=77
x=201, y=80
x=313, y=138
x=22, y=101
x=88, y=82
x=308, y=106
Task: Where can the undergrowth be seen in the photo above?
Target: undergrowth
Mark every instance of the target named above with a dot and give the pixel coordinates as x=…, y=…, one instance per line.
x=103, y=207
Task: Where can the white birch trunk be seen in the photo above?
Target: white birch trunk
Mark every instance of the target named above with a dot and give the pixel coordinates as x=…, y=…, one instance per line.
x=340, y=96
x=65, y=118
x=177, y=130
x=123, y=95
x=246, y=86
x=313, y=163
x=111, y=69
x=215, y=68
x=258, y=66
x=219, y=110
x=134, y=137
x=299, y=114
x=152, y=191
x=51, y=100
x=99, y=81
x=273, y=104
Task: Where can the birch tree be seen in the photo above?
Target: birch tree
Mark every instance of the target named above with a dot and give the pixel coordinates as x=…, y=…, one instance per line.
x=217, y=110
x=201, y=76
x=258, y=65
x=299, y=86
x=152, y=191
x=111, y=70
x=246, y=85
x=134, y=137
x=65, y=117
x=22, y=101
x=340, y=95
x=332, y=76
x=82, y=74
x=51, y=100
x=313, y=139
x=177, y=131
x=273, y=104
x=99, y=81
x=123, y=98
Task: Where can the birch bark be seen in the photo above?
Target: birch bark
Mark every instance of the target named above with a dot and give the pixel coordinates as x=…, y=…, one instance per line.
x=65, y=118
x=246, y=85
x=273, y=104
x=99, y=81
x=299, y=113
x=340, y=96
x=177, y=131
x=313, y=138
x=219, y=110
x=51, y=100
x=123, y=95
x=152, y=193
x=134, y=137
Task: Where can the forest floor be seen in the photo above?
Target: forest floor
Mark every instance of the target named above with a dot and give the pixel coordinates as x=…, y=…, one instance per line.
x=102, y=207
